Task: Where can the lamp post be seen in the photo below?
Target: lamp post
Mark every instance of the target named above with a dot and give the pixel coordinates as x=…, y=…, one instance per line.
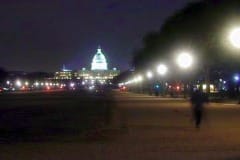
x=139, y=80
x=149, y=75
x=162, y=70
x=184, y=61
x=234, y=38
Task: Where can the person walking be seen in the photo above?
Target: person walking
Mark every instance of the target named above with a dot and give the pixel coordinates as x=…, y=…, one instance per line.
x=198, y=99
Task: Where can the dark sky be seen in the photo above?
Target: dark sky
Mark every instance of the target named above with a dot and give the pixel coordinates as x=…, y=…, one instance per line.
x=42, y=35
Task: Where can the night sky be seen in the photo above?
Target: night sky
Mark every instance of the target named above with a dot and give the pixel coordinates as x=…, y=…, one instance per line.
x=42, y=35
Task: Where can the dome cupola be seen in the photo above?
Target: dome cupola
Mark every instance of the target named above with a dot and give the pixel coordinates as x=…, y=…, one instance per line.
x=99, y=61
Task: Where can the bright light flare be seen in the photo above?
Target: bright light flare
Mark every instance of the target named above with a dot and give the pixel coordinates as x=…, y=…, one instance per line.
x=72, y=84
x=184, y=60
x=8, y=82
x=234, y=37
x=236, y=78
x=139, y=78
x=149, y=74
x=162, y=69
x=18, y=83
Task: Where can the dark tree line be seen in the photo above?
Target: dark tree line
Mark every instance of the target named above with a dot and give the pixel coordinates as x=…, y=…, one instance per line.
x=32, y=76
x=3, y=75
x=200, y=27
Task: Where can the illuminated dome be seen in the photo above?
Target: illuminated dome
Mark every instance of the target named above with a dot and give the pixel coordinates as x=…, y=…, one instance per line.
x=99, y=61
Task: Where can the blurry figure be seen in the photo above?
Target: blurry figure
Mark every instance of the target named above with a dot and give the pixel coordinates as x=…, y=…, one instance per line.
x=198, y=99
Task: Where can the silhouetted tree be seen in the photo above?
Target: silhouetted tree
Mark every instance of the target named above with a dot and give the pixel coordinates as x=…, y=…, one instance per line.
x=3, y=75
x=122, y=77
x=200, y=26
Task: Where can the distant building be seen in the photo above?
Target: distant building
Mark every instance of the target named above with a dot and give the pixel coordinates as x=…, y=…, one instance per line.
x=99, y=71
x=64, y=74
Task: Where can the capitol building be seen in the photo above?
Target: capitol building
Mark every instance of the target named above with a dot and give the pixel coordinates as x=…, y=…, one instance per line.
x=99, y=71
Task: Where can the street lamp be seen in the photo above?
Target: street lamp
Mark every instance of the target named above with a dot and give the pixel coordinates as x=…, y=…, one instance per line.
x=18, y=83
x=234, y=37
x=162, y=69
x=236, y=78
x=184, y=60
x=139, y=78
x=149, y=74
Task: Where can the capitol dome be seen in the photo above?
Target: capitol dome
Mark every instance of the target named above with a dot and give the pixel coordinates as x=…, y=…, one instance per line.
x=99, y=61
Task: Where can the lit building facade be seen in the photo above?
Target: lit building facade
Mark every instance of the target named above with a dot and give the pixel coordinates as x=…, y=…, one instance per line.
x=64, y=74
x=99, y=71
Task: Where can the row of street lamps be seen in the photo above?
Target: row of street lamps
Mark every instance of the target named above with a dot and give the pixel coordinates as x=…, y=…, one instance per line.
x=184, y=59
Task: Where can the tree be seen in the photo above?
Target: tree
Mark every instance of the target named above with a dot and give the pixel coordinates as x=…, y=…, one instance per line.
x=200, y=27
x=3, y=75
x=122, y=77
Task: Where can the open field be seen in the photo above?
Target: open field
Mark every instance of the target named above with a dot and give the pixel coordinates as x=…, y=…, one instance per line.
x=50, y=116
x=78, y=125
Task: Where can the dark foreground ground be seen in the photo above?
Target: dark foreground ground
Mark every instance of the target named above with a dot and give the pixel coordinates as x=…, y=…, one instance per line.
x=51, y=116
x=78, y=125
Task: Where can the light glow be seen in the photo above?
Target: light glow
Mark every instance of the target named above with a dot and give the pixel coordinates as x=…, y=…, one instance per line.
x=204, y=86
x=149, y=74
x=162, y=69
x=72, y=84
x=184, y=60
x=139, y=78
x=18, y=83
x=234, y=37
x=236, y=78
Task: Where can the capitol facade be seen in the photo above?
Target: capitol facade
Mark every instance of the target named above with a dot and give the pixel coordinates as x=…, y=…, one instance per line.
x=99, y=71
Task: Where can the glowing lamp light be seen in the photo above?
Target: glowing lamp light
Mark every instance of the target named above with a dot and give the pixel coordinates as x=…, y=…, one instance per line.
x=162, y=69
x=18, y=83
x=8, y=82
x=236, y=78
x=234, y=37
x=211, y=87
x=26, y=83
x=184, y=60
x=72, y=85
x=149, y=74
x=139, y=78
x=135, y=80
x=204, y=86
x=178, y=88
x=157, y=86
